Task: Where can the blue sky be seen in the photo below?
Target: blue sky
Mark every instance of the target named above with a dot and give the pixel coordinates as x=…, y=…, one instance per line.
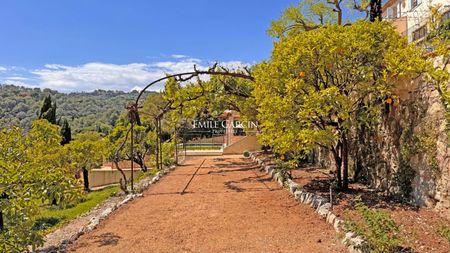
x=83, y=45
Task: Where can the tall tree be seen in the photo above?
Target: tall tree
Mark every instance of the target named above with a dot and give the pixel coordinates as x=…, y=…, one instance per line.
x=66, y=132
x=308, y=15
x=86, y=152
x=48, y=110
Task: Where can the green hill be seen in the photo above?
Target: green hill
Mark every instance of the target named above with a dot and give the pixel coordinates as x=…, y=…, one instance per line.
x=98, y=110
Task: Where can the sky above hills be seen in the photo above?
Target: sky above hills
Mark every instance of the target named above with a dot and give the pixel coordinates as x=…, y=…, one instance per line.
x=83, y=45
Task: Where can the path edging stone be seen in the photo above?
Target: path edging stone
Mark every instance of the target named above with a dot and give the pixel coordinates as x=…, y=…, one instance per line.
x=321, y=205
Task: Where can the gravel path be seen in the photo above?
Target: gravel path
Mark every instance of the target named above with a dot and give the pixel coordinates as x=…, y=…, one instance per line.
x=227, y=206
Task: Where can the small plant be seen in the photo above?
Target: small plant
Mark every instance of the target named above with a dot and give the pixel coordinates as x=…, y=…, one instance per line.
x=285, y=169
x=246, y=153
x=376, y=227
x=444, y=231
x=44, y=223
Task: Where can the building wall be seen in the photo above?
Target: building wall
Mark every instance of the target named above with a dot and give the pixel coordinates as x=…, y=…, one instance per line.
x=107, y=176
x=410, y=18
x=248, y=143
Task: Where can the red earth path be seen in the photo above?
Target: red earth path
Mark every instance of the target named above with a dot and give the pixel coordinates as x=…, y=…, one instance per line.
x=228, y=206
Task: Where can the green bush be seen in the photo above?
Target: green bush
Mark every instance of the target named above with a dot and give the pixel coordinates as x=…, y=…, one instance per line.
x=168, y=149
x=376, y=227
x=246, y=153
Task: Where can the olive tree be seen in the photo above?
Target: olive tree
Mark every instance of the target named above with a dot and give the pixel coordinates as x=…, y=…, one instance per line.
x=33, y=173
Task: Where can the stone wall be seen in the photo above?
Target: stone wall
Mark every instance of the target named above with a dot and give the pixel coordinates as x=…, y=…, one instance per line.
x=407, y=152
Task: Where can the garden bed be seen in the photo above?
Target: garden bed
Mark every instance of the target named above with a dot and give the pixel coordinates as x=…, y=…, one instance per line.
x=421, y=229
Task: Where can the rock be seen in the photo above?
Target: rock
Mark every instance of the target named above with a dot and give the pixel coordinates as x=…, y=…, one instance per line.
x=330, y=217
x=324, y=209
x=338, y=224
x=106, y=212
x=293, y=187
x=318, y=201
x=309, y=198
x=347, y=237
x=303, y=197
x=280, y=181
x=358, y=245
x=272, y=173
x=268, y=168
x=298, y=194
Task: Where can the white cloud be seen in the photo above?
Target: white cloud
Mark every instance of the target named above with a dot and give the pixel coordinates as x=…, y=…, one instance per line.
x=178, y=56
x=133, y=76
x=136, y=88
x=3, y=69
x=17, y=78
x=17, y=83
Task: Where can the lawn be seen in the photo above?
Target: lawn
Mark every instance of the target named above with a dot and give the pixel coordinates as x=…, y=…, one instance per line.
x=52, y=218
x=203, y=148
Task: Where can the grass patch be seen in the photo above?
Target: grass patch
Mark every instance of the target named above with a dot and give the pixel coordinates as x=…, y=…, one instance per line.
x=52, y=217
x=444, y=231
x=203, y=148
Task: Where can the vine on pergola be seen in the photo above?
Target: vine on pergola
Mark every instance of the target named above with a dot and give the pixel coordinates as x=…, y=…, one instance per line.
x=134, y=118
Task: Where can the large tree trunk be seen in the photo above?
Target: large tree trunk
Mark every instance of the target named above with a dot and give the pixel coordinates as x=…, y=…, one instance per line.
x=140, y=160
x=344, y=156
x=2, y=225
x=123, y=180
x=338, y=163
x=375, y=10
x=86, y=180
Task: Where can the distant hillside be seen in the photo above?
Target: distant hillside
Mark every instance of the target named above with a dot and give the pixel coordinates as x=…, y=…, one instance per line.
x=98, y=110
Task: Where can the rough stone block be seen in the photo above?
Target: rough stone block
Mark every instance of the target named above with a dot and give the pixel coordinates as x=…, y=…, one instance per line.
x=318, y=201
x=324, y=209
x=331, y=217
x=338, y=224
x=309, y=198
x=298, y=194
x=293, y=187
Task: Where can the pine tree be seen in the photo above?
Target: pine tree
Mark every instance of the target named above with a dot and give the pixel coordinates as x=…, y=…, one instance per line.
x=48, y=110
x=66, y=132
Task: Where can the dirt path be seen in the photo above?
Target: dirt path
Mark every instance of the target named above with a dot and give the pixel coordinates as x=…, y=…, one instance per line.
x=229, y=206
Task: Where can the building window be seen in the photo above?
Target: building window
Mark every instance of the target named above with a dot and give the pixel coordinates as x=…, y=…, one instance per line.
x=419, y=33
x=415, y=3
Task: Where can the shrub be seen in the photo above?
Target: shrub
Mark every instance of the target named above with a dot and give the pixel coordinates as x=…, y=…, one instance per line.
x=376, y=227
x=168, y=150
x=285, y=169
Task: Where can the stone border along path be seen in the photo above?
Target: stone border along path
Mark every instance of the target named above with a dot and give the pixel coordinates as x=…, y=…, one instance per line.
x=322, y=206
x=58, y=240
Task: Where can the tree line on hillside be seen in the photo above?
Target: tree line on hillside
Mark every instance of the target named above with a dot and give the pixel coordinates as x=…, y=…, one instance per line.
x=84, y=111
